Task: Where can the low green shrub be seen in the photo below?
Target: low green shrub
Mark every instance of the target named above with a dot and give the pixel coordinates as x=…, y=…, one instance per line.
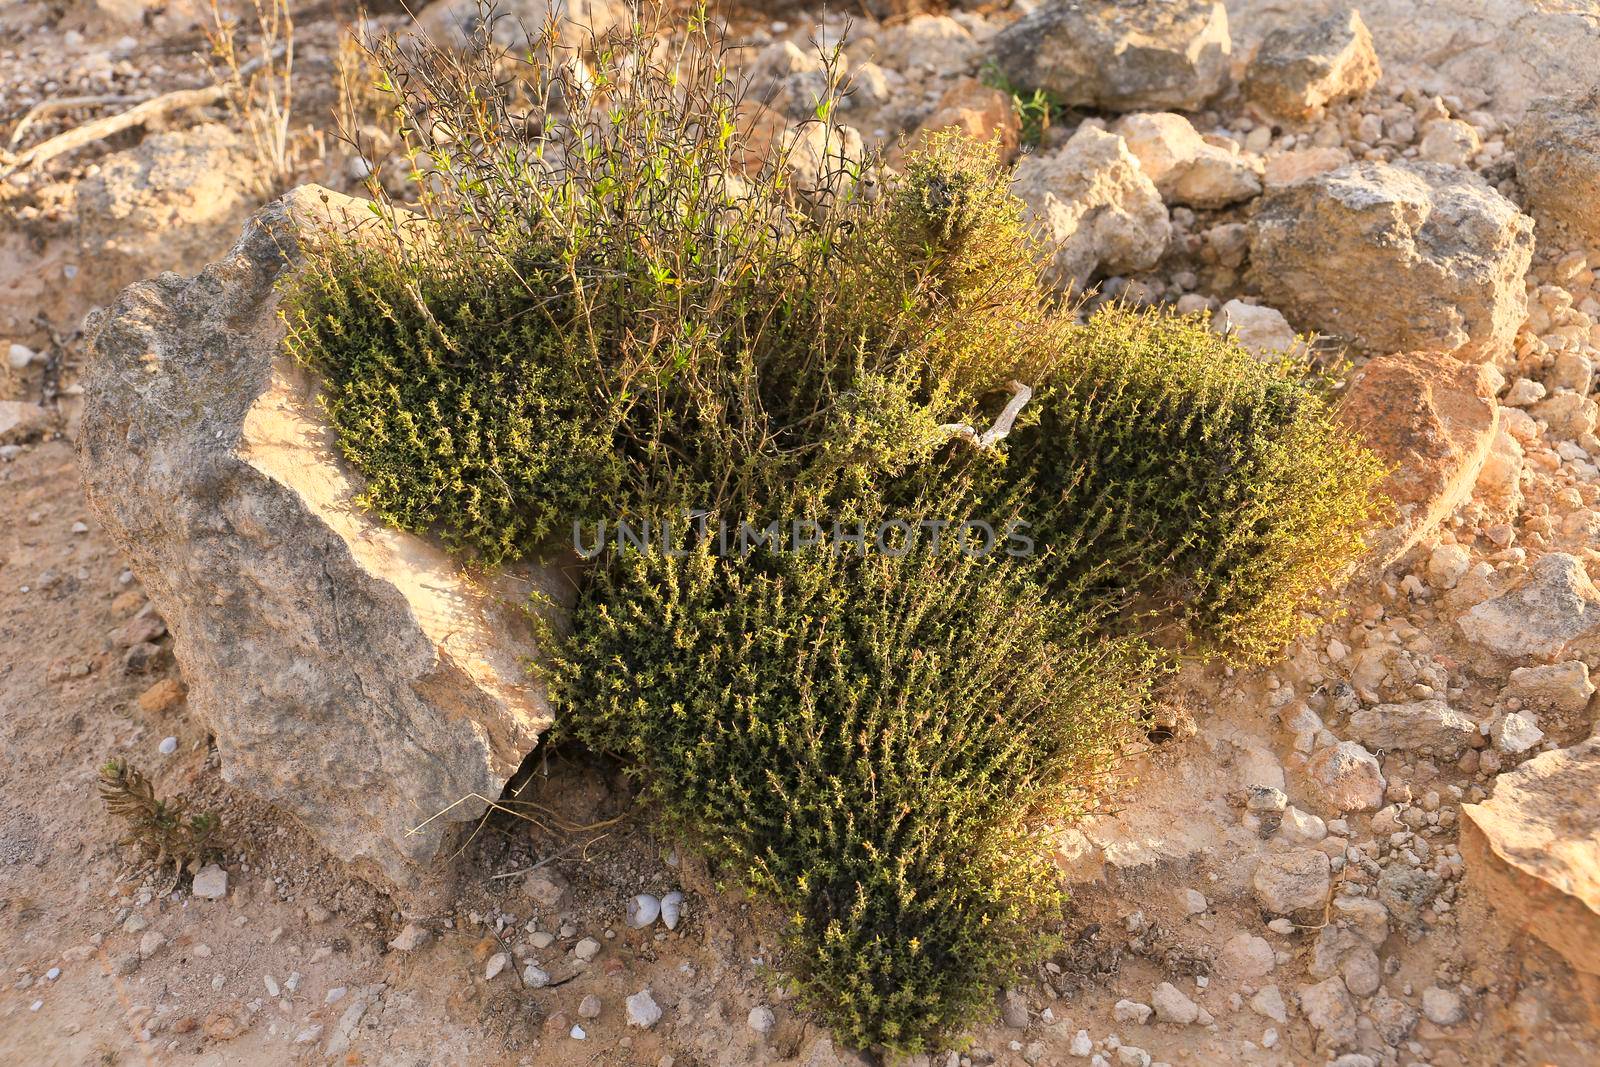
x=873, y=742
x=608, y=310
x=1168, y=466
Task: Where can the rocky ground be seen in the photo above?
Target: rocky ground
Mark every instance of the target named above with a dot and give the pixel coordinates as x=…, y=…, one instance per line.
x=1382, y=849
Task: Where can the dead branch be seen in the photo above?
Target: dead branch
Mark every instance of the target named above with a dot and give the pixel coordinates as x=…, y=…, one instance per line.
x=138, y=115
x=1020, y=395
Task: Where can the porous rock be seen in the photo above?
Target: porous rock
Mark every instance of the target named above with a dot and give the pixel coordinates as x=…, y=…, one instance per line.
x=1096, y=208
x=1563, y=687
x=1293, y=882
x=1532, y=851
x=1430, y=727
x=1262, y=330
x=1554, y=605
x=1120, y=55
x=1452, y=252
x=1186, y=167
x=1558, y=160
x=1433, y=421
x=353, y=675
x=1345, y=777
x=1299, y=69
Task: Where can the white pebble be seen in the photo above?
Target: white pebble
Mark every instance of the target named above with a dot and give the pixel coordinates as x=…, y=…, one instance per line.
x=168, y=746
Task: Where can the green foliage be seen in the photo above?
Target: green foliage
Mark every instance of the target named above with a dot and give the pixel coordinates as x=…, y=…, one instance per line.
x=601, y=305
x=1036, y=109
x=1168, y=464
x=166, y=830
x=871, y=742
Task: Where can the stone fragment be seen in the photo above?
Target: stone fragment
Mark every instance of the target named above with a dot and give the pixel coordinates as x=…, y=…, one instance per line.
x=1293, y=883
x=1557, y=147
x=761, y=1019
x=1449, y=141
x=643, y=1011
x=1246, y=957
x=1330, y=1011
x=1262, y=330
x=355, y=676
x=1562, y=687
x=1405, y=891
x=1131, y=1012
x=1367, y=917
x=1442, y=1007
x=1172, y=1006
x=1393, y=1019
x=1117, y=56
x=1096, y=208
x=1301, y=163
x=1433, y=421
x=1300, y=69
x=1554, y=605
x=1429, y=727
x=936, y=42
x=518, y=24
x=411, y=938
x=1186, y=167
x=1516, y=733
x=1269, y=1003
x=1453, y=253
x=210, y=882
x=1345, y=777
x=979, y=111
x=1532, y=851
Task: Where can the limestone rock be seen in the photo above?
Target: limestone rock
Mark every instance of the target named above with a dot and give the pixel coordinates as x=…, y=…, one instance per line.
x=982, y=112
x=1294, y=882
x=1532, y=850
x=1331, y=1013
x=1442, y=1007
x=174, y=199
x=1516, y=733
x=1450, y=141
x=1299, y=69
x=1430, y=727
x=1187, y=168
x=1173, y=1006
x=518, y=23
x=1299, y=164
x=1453, y=253
x=1120, y=55
x=354, y=676
x=1558, y=160
x=937, y=42
x=1262, y=330
x=820, y=158
x=1553, y=606
x=1563, y=687
x=1456, y=43
x=1246, y=957
x=1096, y=208
x=1433, y=421
x=1346, y=777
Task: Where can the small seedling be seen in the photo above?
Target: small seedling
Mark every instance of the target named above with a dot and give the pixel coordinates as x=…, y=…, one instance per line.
x=164, y=829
